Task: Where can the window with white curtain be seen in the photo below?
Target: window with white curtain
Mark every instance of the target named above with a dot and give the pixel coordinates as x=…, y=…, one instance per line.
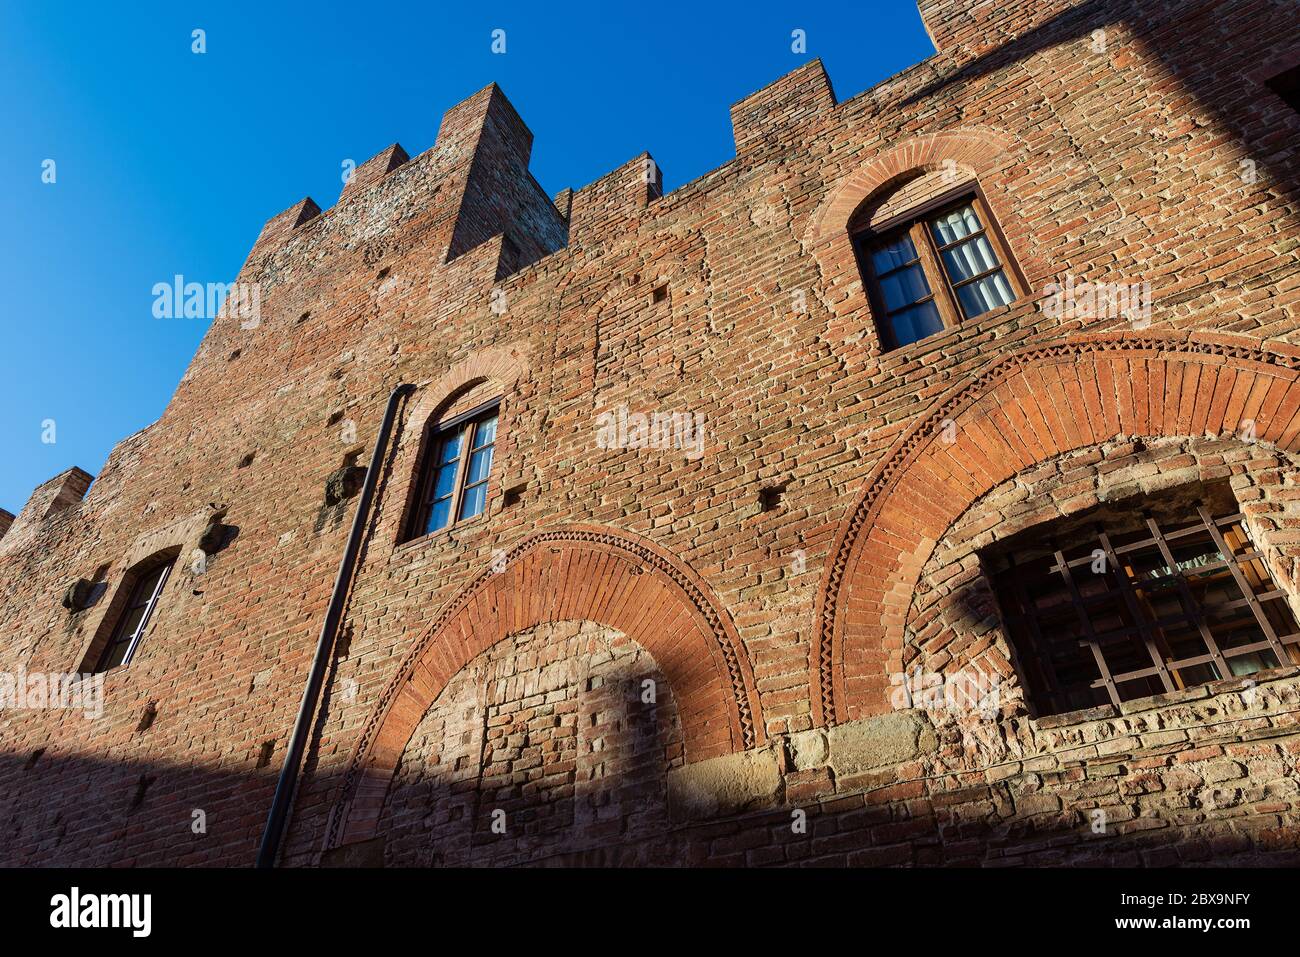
x=935, y=268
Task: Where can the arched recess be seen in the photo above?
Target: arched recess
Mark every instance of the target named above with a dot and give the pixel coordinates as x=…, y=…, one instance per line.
x=1027, y=407
x=972, y=152
x=979, y=150
x=572, y=573
x=496, y=369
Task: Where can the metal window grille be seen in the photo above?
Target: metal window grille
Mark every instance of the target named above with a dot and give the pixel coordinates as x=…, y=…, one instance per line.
x=1106, y=616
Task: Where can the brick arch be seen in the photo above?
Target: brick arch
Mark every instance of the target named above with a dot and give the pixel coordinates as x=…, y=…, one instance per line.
x=976, y=150
x=504, y=365
x=962, y=174
x=979, y=150
x=576, y=572
x=1028, y=407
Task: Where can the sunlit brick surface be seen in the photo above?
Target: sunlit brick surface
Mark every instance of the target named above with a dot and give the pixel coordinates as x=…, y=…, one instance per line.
x=825, y=537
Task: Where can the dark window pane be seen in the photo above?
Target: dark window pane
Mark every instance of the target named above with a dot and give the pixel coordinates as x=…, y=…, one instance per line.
x=893, y=254
x=473, y=501
x=915, y=323
x=439, y=515
x=969, y=259
x=480, y=463
x=485, y=433
x=904, y=287
x=130, y=621
x=114, y=656
x=452, y=493
x=450, y=450
x=1248, y=664
x=445, y=481
x=150, y=581
x=984, y=294
x=135, y=617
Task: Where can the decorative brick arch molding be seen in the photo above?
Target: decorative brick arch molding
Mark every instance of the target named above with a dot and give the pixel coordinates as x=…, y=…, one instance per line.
x=1027, y=407
x=977, y=151
x=505, y=365
x=576, y=572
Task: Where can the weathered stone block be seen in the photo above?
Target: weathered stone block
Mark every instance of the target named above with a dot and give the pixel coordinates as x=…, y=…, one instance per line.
x=809, y=749
x=724, y=785
x=891, y=738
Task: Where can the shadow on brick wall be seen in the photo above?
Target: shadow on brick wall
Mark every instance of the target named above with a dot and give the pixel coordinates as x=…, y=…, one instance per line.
x=1226, y=79
x=93, y=813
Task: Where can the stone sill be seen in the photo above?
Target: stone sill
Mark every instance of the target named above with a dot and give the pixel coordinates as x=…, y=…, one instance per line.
x=1151, y=702
x=452, y=533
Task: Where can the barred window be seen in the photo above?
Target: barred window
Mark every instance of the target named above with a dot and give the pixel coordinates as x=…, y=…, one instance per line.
x=1137, y=604
x=453, y=482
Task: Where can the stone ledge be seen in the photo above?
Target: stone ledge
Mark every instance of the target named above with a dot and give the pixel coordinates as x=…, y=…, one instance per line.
x=724, y=785
x=886, y=739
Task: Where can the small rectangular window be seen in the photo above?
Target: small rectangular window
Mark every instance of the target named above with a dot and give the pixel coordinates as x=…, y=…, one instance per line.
x=1140, y=605
x=938, y=268
x=134, y=618
x=455, y=481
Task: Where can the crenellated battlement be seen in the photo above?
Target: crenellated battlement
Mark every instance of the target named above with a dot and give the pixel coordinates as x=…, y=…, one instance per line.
x=477, y=179
x=280, y=227
x=491, y=146
x=471, y=200
x=774, y=115
x=47, y=500
x=617, y=196
x=482, y=152
x=480, y=198
x=970, y=28
x=483, y=147
x=373, y=171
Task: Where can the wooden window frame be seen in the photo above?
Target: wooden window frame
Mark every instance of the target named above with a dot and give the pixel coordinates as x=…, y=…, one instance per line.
x=150, y=605
x=1240, y=559
x=436, y=437
x=915, y=222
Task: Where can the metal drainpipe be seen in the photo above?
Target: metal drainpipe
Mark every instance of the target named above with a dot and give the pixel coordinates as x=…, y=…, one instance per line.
x=284, y=788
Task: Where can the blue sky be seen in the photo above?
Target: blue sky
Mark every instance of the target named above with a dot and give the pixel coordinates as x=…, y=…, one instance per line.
x=169, y=162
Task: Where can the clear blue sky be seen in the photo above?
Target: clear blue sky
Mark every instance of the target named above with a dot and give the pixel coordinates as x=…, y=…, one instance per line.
x=169, y=162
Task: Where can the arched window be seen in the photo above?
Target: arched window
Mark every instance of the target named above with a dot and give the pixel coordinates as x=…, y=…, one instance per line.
x=140, y=590
x=932, y=257
x=452, y=484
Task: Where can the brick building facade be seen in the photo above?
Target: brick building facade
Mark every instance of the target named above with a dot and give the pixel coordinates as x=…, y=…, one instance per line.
x=695, y=642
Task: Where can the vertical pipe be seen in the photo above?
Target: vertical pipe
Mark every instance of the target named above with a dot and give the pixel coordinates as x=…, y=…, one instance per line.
x=284, y=788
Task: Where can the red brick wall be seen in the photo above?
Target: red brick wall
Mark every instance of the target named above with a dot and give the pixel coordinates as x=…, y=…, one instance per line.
x=1151, y=154
x=555, y=735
